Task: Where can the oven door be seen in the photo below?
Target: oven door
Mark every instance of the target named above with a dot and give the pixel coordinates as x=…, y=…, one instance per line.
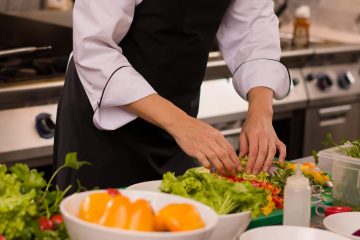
x=342, y=121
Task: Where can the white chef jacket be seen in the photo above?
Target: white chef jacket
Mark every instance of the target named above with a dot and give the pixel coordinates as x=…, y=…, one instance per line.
x=248, y=38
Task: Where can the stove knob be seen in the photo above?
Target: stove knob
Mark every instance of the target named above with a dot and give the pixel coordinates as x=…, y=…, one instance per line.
x=295, y=81
x=324, y=81
x=309, y=77
x=345, y=79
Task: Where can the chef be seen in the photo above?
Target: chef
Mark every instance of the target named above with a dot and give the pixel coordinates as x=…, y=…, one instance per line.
x=132, y=88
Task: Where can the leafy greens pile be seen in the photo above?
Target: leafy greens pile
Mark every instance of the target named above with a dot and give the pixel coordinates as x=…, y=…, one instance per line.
x=26, y=202
x=215, y=191
x=350, y=148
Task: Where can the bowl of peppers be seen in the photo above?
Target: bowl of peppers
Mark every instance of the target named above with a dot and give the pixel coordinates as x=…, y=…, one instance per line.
x=132, y=215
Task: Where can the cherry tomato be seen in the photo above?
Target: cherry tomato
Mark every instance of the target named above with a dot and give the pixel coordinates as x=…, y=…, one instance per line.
x=57, y=220
x=45, y=224
x=256, y=183
x=2, y=237
x=113, y=191
x=278, y=201
x=235, y=179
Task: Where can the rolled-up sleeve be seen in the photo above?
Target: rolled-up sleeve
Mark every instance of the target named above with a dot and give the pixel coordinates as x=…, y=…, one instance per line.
x=108, y=78
x=249, y=41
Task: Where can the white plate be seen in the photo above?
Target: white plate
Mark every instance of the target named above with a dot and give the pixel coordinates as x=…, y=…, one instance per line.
x=153, y=186
x=289, y=233
x=343, y=223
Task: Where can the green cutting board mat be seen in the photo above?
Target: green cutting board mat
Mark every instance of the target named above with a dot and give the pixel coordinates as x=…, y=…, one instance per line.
x=276, y=218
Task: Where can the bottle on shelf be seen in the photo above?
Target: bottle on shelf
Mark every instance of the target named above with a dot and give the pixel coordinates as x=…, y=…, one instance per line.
x=301, y=34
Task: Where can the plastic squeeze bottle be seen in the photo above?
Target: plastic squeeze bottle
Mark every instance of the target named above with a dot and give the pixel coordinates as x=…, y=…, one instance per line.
x=297, y=200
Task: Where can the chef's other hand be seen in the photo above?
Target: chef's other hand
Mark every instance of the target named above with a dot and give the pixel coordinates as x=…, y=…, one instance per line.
x=258, y=139
x=196, y=138
x=207, y=145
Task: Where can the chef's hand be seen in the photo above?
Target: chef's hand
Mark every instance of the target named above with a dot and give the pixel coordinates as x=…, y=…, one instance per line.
x=258, y=139
x=196, y=138
x=207, y=145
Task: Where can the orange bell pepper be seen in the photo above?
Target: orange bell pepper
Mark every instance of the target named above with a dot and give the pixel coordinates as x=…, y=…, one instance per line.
x=93, y=207
x=142, y=216
x=178, y=217
x=309, y=164
x=117, y=212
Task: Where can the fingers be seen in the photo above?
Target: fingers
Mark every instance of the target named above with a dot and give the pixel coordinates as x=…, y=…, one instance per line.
x=231, y=153
x=282, y=150
x=224, y=158
x=253, y=150
x=262, y=150
x=261, y=154
x=212, y=156
x=203, y=160
x=270, y=156
x=244, y=147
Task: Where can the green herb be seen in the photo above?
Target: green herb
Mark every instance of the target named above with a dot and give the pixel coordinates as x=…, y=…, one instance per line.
x=350, y=148
x=55, y=198
x=315, y=156
x=25, y=197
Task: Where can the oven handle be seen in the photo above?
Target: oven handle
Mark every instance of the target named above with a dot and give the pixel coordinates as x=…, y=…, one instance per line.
x=23, y=50
x=330, y=111
x=230, y=132
x=331, y=122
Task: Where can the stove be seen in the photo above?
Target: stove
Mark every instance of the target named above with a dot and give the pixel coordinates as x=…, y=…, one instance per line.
x=334, y=103
x=32, y=72
x=332, y=83
x=31, y=67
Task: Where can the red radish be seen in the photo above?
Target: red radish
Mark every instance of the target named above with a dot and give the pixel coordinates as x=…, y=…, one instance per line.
x=45, y=224
x=113, y=191
x=57, y=220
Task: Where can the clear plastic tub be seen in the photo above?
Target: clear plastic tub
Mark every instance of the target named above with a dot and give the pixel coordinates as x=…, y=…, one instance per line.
x=346, y=177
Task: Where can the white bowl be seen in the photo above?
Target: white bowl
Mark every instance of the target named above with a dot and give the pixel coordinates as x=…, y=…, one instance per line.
x=344, y=223
x=289, y=232
x=80, y=230
x=230, y=226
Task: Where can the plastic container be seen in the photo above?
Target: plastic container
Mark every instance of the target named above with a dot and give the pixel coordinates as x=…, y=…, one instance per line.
x=297, y=200
x=346, y=177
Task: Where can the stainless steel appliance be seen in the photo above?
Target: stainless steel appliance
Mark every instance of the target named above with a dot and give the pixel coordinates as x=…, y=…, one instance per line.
x=34, y=53
x=334, y=104
x=31, y=79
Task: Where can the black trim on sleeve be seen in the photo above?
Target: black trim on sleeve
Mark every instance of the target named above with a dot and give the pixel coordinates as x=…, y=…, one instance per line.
x=102, y=94
x=270, y=59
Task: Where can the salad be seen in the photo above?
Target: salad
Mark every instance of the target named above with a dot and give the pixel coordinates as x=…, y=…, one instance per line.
x=28, y=208
x=261, y=194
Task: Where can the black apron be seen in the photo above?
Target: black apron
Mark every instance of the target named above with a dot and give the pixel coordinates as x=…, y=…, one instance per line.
x=168, y=44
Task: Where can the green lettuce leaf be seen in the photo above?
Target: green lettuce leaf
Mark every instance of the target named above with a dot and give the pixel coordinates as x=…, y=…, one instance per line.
x=215, y=191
